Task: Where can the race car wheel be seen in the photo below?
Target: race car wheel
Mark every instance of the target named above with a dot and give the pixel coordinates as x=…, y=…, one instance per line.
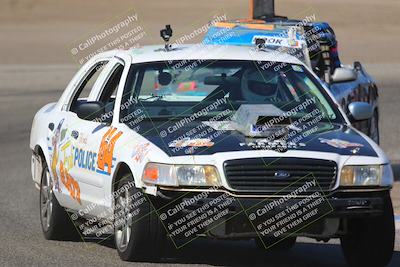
x=370, y=241
x=274, y=243
x=374, y=127
x=138, y=232
x=55, y=221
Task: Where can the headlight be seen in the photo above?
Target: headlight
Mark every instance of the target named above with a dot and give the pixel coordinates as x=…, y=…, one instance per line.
x=162, y=174
x=366, y=175
x=175, y=175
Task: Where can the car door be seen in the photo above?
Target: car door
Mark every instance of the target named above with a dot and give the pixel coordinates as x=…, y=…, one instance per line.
x=70, y=187
x=93, y=141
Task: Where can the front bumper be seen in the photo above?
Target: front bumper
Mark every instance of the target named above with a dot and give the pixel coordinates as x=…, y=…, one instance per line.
x=217, y=214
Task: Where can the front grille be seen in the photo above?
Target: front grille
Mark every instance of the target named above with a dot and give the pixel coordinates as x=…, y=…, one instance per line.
x=271, y=174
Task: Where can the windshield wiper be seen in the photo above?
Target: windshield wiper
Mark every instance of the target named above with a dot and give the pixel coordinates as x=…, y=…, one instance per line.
x=153, y=96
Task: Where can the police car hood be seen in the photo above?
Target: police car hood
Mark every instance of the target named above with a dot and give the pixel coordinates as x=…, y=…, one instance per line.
x=207, y=138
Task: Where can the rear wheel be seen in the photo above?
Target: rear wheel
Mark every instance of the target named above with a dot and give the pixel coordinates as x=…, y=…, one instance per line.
x=55, y=221
x=370, y=241
x=139, y=234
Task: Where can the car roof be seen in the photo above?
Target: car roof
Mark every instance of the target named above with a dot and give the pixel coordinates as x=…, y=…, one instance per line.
x=154, y=53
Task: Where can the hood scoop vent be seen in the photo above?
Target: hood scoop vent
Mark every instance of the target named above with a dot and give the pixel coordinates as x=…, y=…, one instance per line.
x=263, y=120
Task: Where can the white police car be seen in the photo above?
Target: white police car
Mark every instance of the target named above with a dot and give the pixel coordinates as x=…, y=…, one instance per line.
x=175, y=143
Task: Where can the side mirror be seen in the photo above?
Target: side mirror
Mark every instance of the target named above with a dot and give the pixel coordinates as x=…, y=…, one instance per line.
x=91, y=110
x=343, y=75
x=359, y=111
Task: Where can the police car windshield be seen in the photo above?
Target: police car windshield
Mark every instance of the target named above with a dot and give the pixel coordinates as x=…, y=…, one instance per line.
x=182, y=88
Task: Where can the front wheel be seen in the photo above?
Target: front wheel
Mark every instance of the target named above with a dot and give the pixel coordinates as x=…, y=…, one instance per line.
x=370, y=241
x=138, y=232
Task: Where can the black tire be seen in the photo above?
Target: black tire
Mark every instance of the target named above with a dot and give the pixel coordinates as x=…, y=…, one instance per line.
x=55, y=221
x=274, y=243
x=370, y=241
x=146, y=235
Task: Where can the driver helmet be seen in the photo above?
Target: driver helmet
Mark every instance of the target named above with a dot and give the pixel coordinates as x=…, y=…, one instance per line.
x=257, y=85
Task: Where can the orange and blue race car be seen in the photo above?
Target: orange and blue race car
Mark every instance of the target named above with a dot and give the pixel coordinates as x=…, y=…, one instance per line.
x=312, y=42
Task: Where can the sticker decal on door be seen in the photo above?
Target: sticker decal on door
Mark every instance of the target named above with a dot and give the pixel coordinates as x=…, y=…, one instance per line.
x=106, y=150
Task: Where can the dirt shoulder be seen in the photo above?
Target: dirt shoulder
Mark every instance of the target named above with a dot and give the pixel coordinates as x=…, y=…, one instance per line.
x=40, y=31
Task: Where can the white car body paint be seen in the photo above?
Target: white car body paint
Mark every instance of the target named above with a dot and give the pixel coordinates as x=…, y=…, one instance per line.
x=96, y=188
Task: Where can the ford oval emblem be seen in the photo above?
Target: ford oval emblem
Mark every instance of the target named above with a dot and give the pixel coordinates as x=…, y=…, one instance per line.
x=282, y=174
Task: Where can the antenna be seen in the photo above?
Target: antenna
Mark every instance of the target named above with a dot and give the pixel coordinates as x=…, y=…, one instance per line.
x=166, y=34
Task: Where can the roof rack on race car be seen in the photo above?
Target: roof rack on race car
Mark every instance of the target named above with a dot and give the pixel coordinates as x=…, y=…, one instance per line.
x=288, y=39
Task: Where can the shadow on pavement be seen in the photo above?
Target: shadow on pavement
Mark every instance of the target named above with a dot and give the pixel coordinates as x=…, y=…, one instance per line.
x=106, y=241
x=245, y=253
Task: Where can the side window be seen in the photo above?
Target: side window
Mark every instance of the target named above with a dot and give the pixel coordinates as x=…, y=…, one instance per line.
x=109, y=91
x=86, y=85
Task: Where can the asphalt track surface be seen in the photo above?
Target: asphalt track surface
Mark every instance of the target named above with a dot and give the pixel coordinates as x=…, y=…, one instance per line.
x=21, y=240
x=33, y=76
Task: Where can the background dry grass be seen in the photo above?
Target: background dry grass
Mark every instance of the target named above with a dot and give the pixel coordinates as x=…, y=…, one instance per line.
x=39, y=31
